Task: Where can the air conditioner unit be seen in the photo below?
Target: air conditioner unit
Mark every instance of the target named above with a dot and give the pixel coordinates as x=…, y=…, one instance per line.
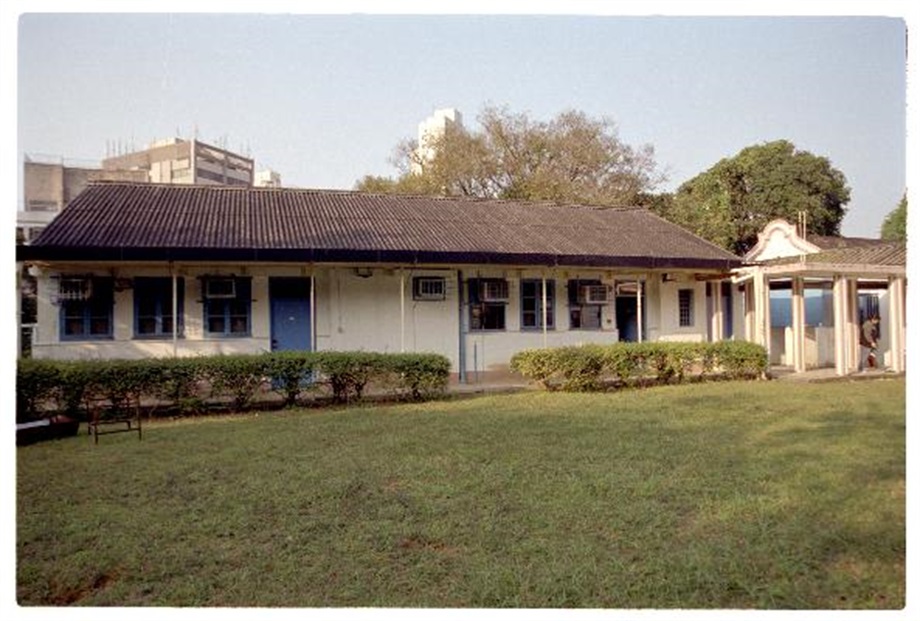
x=593, y=294
x=494, y=291
x=75, y=289
x=217, y=288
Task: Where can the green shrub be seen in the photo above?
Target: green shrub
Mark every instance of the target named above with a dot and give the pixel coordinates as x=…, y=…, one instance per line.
x=422, y=376
x=596, y=367
x=37, y=383
x=238, y=376
x=179, y=388
x=348, y=372
x=76, y=379
x=290, y=373
x=120, y=385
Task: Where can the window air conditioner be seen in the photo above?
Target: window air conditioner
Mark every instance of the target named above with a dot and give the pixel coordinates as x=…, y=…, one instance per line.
x=593, y=294
x=494, y=291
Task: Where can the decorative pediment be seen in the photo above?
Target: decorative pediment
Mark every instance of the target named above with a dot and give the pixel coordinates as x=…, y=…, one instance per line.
x=779, y=239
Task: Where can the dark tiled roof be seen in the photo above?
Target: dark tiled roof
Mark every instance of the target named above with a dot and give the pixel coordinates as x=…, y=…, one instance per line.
x=879, y=253
x=829, y=242
x=123, y=221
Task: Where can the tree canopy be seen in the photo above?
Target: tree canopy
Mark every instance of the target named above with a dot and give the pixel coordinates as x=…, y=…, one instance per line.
x=571, y=158
x=894, y=226
x=732, y=201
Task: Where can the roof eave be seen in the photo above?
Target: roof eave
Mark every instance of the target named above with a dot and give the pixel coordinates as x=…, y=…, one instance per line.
x=320, y=255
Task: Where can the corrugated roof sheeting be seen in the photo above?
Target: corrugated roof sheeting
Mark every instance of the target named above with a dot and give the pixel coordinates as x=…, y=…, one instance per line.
x=879, y=253
x=128, y=217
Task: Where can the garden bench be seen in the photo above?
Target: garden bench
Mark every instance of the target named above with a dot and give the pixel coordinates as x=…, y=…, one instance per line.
x=100, y=418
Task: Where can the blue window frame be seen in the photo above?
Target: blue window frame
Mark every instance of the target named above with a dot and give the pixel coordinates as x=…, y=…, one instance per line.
x=532, y=304
x=227, y=308
x=153, y=307
x=86, y=308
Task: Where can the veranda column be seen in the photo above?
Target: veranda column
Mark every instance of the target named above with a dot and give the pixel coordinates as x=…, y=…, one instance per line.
x=896, y=322
x=853, y=325
x=749, y=315
x=639, y=310
x=402, y=311
x=798, y=324
x=543, y=309
x=175, y=311
x=840, y=324
x=717, y=320
x=768, y=340
x=757, y=295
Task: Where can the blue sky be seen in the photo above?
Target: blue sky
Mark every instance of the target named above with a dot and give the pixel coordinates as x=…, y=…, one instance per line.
x=323, y=99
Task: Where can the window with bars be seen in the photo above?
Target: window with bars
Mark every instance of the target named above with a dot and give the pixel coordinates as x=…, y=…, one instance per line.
x=429, y=288
x=685, y=307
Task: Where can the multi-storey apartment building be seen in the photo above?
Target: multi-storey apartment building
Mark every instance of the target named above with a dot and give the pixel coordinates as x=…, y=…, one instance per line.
x=182, y=161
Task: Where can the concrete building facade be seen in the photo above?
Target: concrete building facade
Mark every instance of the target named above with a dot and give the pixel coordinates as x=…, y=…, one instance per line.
x=181, y=161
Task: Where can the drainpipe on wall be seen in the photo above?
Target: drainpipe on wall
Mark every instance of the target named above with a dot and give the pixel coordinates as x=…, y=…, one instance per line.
x=461, y=353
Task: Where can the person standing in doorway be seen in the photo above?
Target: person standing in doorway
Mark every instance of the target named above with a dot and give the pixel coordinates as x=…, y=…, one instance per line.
x=868, y=338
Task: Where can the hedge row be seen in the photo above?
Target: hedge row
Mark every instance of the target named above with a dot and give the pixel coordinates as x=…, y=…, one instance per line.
x=598, y=367
x=189, y=384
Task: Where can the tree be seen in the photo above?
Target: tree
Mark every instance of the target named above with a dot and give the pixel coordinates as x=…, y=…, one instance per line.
x=895, y=225
x=732, y=201
x=572, y=158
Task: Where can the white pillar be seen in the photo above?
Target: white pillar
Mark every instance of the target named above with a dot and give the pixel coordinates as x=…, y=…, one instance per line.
x=638, y=310
x=543, y=310
x=402, y=311
x=896, y=328
x=175, y=313
x=762, y=310
x=855, y=351
x=717, y=320
x=840, y=324
x=798, y=324
x=750, y=316
x=312, y=308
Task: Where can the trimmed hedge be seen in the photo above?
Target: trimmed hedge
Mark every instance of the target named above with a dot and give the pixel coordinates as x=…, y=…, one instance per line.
x=188, y=385
x=599, y=367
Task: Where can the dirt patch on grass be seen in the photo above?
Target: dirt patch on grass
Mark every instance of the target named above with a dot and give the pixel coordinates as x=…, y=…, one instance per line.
x=66, y=596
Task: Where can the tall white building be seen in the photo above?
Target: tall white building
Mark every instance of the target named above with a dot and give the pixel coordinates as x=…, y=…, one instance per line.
x=267, y=178
x=430, y=130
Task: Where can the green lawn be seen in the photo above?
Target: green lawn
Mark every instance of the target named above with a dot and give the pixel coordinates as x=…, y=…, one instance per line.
x=727, y=495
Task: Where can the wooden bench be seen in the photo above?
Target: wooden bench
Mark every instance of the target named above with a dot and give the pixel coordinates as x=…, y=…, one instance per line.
x=100, y=423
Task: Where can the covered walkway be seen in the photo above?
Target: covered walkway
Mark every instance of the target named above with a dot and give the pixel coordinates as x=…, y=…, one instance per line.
x=880, y=266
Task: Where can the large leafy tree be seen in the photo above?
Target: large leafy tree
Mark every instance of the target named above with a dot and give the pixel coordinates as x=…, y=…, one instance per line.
x=571, y=158
x=895, y=225
x=729, y=203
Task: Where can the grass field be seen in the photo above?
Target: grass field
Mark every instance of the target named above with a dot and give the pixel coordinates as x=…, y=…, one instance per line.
x=729, y=495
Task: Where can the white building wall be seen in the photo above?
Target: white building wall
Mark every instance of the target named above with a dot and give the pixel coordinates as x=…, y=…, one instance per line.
x=670, y=328
x=359, y=309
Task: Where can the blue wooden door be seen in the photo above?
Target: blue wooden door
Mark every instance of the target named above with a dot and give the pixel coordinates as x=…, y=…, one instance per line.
x=290, y=314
